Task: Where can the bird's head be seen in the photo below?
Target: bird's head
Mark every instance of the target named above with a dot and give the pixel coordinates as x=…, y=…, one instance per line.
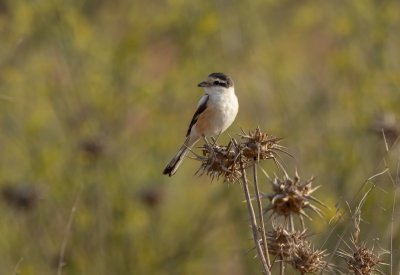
x=217, y=82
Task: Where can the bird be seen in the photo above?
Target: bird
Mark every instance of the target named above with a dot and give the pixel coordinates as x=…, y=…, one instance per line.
x=216, y=111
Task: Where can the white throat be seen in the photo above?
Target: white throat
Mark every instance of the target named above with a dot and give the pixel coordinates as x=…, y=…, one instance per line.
x=219, y=90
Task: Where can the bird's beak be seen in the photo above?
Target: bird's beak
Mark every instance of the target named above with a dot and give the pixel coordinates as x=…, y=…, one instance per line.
x=202, y=84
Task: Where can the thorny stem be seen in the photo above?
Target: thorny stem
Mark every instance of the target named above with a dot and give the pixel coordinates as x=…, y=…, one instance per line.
x=253, y=220
x=261, y=216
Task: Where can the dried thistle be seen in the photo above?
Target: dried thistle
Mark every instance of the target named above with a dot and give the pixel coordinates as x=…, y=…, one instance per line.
x=258, y=145
x=152, y=196
x=92, y=148
x=21, y=196
x=283, y=243
x=220, y=161
x=361, y=260
x=290, y=196
x=225, y=161
x=294, y=248
x=306, y=259
x=387, y=124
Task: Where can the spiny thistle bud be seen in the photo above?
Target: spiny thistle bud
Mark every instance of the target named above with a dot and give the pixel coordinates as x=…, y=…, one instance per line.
x=283, y=243
x=220, y=161
x=306, y=259
x=361, y=260
x=258, y=145
x=290, y=196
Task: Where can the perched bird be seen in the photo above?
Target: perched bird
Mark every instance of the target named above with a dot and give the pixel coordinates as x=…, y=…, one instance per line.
x=216, y=111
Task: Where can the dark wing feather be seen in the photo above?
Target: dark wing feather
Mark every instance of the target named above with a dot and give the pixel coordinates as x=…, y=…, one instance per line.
x=199, y=110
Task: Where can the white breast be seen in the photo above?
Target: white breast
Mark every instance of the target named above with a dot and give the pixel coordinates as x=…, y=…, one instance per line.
x=224, y=106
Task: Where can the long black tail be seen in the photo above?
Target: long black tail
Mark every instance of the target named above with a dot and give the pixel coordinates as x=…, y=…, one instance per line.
x=174, y=164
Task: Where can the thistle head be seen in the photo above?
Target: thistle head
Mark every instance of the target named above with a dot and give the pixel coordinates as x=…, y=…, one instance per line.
x=361, y=260
x=282, y=242
x=291, y=197
x=257, y=145
x=307, y=259
x=220, y=161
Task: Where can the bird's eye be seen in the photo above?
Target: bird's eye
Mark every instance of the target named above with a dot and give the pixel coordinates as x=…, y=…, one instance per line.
x=217, y=83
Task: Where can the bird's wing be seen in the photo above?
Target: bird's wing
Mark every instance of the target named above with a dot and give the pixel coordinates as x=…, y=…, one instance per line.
x=201, y=107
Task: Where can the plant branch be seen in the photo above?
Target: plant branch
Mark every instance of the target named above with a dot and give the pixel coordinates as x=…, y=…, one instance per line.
x=282, y=266
x=260, y=214
x=253, y=221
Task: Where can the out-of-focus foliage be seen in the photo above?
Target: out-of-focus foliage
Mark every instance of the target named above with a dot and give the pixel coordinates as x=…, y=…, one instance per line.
x=95, y=97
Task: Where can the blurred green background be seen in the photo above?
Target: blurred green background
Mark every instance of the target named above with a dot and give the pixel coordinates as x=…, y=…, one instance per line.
x=96, y=97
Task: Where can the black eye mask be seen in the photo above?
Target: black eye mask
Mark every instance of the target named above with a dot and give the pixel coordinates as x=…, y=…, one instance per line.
x=220, y=83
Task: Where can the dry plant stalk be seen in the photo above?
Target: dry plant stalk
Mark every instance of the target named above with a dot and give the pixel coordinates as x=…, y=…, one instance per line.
x=289, y=198
x=263, y=258
x=361, y=260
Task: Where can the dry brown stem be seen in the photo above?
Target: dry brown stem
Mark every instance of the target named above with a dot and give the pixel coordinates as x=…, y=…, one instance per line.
x=260, y=215
x=253, y=221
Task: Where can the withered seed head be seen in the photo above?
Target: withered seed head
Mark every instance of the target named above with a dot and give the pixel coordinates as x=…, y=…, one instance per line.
x=390, y=127
x=21, y=196
x=283, y=243
x=290, y=196
x=258, y=145
x=307, y=260
x=294, y=248
x=220, y=161
x=361, y=261
x=225, y=161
